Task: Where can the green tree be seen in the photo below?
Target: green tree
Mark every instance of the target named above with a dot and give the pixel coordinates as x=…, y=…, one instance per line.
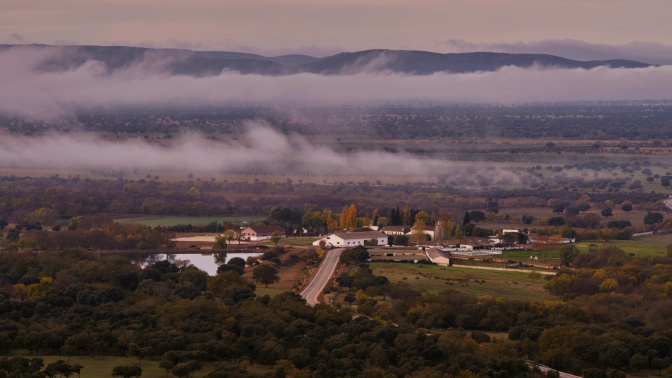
x=266, y=274
x=476, y=216
x=276, y=237
x=60, y=367
x=401, y=240
x=627, y=207
x=220, y=242
x=607, y=212
x=466, y=219
x=230, y=236
x=127, y=371
x=568, y=253
x=419, y=230
x=350, y=298
x=167, y=365
x=653, y=218
x=237, y=261
x=382, y=222
x=534, y=275
x=186, y=369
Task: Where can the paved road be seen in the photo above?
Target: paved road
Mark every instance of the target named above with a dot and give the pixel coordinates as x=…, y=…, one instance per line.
x=545, y=368
x=668, y=203
x=323, y=275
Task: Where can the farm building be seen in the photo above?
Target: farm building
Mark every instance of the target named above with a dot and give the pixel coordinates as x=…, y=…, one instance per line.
x=438, y=257
x=353, y=239
x=397, y=254
x=258, y=233
x=394, y=230
x=427, y=231
x=467, y=244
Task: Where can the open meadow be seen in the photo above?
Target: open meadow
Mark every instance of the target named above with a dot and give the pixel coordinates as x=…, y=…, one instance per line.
x=102, y=366
x=432, y=278
x=167, y=221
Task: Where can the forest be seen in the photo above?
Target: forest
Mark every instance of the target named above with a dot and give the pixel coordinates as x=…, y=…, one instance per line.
x=616, y=307
x=579, y=121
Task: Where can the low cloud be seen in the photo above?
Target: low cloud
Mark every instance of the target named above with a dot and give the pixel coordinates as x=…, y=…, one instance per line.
x=26, y=92
x=646, y=52
x=261, y=150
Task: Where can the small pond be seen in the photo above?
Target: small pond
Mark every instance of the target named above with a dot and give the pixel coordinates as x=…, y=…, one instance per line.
x=207, y=262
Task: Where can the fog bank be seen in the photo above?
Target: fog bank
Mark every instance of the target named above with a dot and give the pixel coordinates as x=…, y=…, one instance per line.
x=261, y=150
x=26, y=92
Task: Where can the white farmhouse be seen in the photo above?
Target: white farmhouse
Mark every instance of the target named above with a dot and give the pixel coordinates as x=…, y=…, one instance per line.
x=394, y=230
x=427, y=231
x=353, y=239
x=259, y=233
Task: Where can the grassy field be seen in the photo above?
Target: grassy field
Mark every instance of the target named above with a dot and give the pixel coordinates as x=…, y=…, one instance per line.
x=289, y=276
x=433, y=278
x=653, y=245
x=196, y=221
x=664, y=239
x=635, y=247
x=99, y=367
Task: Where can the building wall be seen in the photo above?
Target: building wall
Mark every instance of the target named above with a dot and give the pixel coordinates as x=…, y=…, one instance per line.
x=338, y=242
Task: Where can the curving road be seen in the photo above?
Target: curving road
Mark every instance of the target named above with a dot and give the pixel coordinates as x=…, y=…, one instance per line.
x=668, y=203
x=545, y=369
x=326, y=270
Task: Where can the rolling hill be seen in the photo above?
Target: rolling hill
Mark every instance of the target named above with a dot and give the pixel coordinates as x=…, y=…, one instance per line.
x=208, y=63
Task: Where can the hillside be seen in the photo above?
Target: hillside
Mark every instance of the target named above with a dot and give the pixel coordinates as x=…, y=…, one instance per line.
x=208, y=63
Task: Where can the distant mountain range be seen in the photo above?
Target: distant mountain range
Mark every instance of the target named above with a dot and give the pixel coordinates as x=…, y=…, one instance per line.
x=208, y=63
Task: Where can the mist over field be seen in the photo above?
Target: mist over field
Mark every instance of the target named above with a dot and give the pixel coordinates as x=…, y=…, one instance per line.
x=260, y=150
x=38, y=94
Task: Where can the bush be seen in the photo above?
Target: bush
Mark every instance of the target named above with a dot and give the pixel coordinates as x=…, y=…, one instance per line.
x=269, y=255
x=401, y=240
x=619, y=224
x=556, y=221
x=653, y=218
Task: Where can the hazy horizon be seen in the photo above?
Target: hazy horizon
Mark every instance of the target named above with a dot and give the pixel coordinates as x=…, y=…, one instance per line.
x=304, y=27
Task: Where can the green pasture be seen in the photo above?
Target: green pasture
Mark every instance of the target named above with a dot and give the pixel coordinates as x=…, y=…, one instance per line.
x=660, y=240
x=101, y=367
x=174, y=221
x=654, y=245
x=289, y=276
x=432, y=278
x=635, y=247
x=548, y=257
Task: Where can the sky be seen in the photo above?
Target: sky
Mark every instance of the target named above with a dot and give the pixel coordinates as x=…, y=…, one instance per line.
x=324, y=27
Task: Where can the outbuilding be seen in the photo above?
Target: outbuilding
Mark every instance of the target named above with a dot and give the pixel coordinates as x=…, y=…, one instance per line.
x=258, y=233
x=353, y=239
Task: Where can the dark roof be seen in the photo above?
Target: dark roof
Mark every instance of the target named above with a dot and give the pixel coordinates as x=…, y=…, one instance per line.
x=468, y=240
x=393, y=228
x=361, y=235
x=267, y=229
